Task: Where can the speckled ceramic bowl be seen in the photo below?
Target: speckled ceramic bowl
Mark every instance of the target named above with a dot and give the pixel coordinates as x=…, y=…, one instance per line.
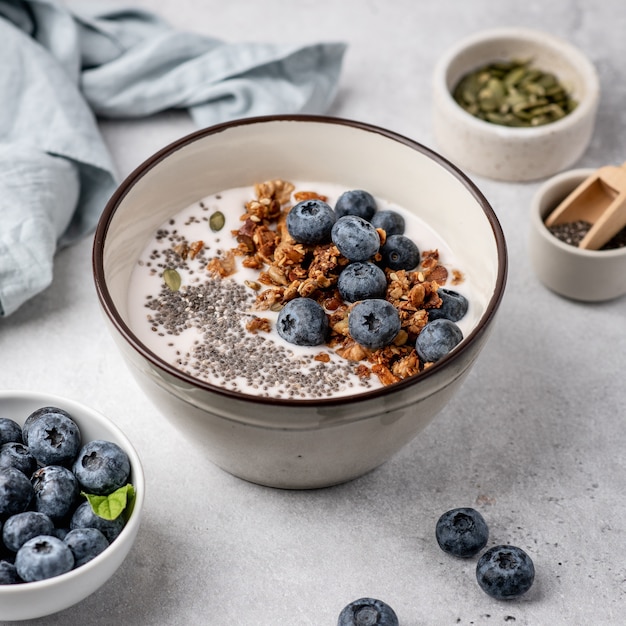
x=585, y=275
x=25, y=601
x=501, y=152
x=286, y=442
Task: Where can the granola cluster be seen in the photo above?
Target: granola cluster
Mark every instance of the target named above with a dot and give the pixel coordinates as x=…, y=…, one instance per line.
x=288, y=269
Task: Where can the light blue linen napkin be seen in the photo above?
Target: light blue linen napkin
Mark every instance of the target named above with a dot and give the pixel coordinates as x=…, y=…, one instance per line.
x=64, y=67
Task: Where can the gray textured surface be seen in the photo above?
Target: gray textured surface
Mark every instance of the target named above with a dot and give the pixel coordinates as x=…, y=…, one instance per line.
x=535, y=439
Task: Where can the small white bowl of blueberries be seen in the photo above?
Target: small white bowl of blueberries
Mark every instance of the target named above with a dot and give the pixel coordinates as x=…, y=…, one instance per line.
x=71, y=495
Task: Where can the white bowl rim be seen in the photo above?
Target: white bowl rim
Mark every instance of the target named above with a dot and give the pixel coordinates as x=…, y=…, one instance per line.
x=538, y=222
x=115, y=318
x=578, y=58
x=48, y=399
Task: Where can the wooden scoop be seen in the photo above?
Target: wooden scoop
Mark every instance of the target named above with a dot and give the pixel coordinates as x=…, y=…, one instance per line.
x=599, y=200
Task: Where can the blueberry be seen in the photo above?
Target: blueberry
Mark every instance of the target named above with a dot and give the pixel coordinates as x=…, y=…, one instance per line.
x=16, y=492
x=8, y=574
x=462, y=532
x=505, y=572
x=374, y=323
x=356, y=202
x=43, y=557
x=310, y=221
x=84, y=517
x=19, y=528
x=361, y=280
x=53, y=438
x=35, y=415
x=400, y=253
x=303, y=322
x=355, y=238
x=85, y=544
x=56, y=491
x=14, y=454
x=101, y=467
x=367, y=612
x=10, y=430
x=453, y=306
x=436, y=339
x=390, y=221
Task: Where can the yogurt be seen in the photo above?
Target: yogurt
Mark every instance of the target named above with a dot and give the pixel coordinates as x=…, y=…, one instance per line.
x=206, y=326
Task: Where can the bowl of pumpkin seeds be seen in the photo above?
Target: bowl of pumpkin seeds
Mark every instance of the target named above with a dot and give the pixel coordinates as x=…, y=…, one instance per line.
x=514, y=104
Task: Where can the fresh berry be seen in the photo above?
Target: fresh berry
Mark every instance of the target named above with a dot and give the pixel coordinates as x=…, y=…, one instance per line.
x=374, y=323
x=14, y=454
x=436, y=339
x=303, y=322
x=505, y=572
x=56, y=491
x=54, y=438
x=453, y=306
x=390, y=221
x=10, y=430
x=8, y=574
x=35, y=415
x=367, y=612
x=43, y=557
x=355, y=238
x=16, y=492
x=19, y=528
x=310, y=221
x=361, y=280
x=84, y=517
x=356, y=202
x=101, y=467
x=85, y=544
x=462, y=532
x=400, y=253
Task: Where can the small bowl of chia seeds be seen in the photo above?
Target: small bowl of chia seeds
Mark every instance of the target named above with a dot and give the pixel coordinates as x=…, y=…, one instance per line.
x=563, y=267
x=514, y=104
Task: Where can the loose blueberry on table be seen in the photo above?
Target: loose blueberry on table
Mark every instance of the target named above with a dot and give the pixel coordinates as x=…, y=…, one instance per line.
x=367, y=612
x=46, y=530
x=505, y=572
x=462, y=532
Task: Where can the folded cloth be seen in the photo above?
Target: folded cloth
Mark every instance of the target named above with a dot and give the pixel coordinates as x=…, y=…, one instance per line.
x=65, y=65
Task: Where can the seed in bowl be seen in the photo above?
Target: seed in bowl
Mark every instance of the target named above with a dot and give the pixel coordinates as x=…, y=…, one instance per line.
x=58, y=517
x=216, y=304
x=513, y=93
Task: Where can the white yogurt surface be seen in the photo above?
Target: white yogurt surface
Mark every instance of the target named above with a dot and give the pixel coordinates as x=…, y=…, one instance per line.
x=203, y=353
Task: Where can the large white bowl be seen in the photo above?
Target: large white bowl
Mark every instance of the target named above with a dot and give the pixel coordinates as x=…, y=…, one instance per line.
x=298, y=443
x=501, y=152
x=32, y=600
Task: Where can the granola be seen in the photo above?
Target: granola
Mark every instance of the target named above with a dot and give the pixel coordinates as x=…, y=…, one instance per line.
x=288, y=269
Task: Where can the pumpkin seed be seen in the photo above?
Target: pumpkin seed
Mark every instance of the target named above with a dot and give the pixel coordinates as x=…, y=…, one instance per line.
x=172, y=279
x=512, y=93
x=217, y=221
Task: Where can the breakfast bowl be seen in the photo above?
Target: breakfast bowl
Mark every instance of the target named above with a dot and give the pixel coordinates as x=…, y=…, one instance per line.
x=498, y=149
x=568, y=270
x=31, y=600
x=292, y=442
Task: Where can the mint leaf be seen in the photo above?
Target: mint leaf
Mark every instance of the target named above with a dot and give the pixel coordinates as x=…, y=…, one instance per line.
x=112, y=506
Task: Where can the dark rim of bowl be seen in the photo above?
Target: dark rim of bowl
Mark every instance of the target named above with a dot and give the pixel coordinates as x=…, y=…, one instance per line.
x=112, y=313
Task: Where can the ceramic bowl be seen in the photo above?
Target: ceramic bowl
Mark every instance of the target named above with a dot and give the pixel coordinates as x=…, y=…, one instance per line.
x=506, y=153
x=578, y=274
x=25, y=601
x=282, y=442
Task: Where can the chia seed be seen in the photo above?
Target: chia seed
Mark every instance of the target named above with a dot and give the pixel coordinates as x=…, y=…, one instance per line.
x=572, y=233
